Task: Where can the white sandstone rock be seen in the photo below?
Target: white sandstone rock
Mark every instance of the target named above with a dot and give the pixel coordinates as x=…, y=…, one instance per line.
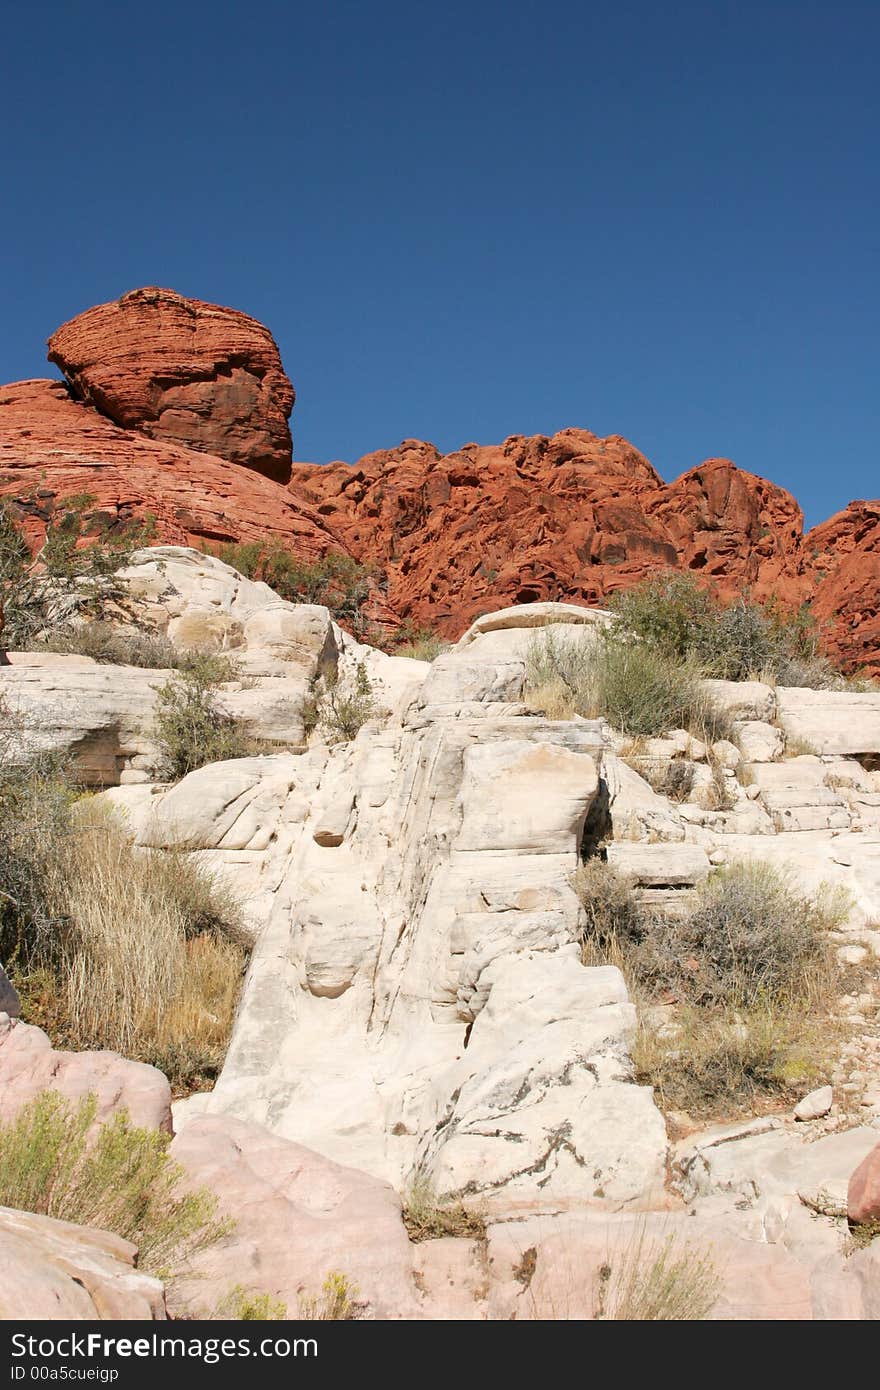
x=832, y=721
x=815, y=1105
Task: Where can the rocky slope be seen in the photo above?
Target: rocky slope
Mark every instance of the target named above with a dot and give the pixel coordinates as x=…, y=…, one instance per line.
x=179, y=408
x=416, y=1002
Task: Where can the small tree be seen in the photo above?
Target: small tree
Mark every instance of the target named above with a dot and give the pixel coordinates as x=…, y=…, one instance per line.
x=72, y=574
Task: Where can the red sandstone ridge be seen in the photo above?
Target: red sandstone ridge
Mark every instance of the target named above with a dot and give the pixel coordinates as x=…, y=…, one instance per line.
x=577, y=517
x=53, y=447
x=568, y=517
x=184, y=372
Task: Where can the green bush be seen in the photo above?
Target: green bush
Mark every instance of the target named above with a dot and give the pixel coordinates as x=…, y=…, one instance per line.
x=336, y=581
x=73, y=573
x=192, y=727
x=338, y=708
x=677, y=617
x=118, y=1179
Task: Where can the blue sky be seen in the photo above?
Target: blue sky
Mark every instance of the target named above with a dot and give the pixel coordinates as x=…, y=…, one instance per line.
x=473, y=220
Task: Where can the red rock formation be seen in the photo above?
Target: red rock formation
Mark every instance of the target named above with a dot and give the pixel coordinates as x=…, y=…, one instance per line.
x=184, y=372
x=195, y=390
x=53, y=447
x=570, y=517
x=842, y=562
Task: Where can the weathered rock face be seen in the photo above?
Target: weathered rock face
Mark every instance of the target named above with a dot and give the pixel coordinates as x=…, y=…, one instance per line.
x=185, y=372
x=52, y=447
x=844, y=558
x=51, y=1270
x=577, y=517
x=29, y=1064
x=200, y=395
x=298, y=1218
x=102, y=716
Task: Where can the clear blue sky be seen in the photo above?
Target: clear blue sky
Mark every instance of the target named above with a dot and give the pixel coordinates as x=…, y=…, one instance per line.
x=469, y=220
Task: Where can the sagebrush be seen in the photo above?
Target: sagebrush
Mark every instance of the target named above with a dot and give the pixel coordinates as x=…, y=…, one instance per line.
x=682, y=620
x=748, y=971
x=336, y=581
x=193, y=727
x=54, y=1160
x=639, y=690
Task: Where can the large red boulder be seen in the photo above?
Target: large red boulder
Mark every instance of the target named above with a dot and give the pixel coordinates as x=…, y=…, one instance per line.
x=863, y=1194
x=184, y=372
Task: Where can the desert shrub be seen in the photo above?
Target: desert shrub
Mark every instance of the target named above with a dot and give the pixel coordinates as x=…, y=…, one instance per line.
x=638, y=689
x=749, y=968
x=677, y=617
x=247, y=1305
x=34, y=818
x=336, y=1302
x=340, y=707
x=119, y=1178
x=105, y=642
x=749, y=937
x=658, y=1281
x=667, y=612
x=336, y=581
x=755, y=936
x=424, y=646
x=614, y=923
x=72, y=574
x=728, y=1060
x=426, y=1217
x=192, y=726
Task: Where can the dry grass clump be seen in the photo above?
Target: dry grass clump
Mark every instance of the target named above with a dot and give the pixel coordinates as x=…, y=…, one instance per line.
x=652, y=1281
x=426, y=1217
x=111, y=946
x=105, y=642
x=750, y=973
x=116, y=1176
x=242, y=1304
x=424, y=647
x=152, y=955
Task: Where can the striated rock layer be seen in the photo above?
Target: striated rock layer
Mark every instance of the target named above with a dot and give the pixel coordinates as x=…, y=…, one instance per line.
x=184, y=371
x=52, y=447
